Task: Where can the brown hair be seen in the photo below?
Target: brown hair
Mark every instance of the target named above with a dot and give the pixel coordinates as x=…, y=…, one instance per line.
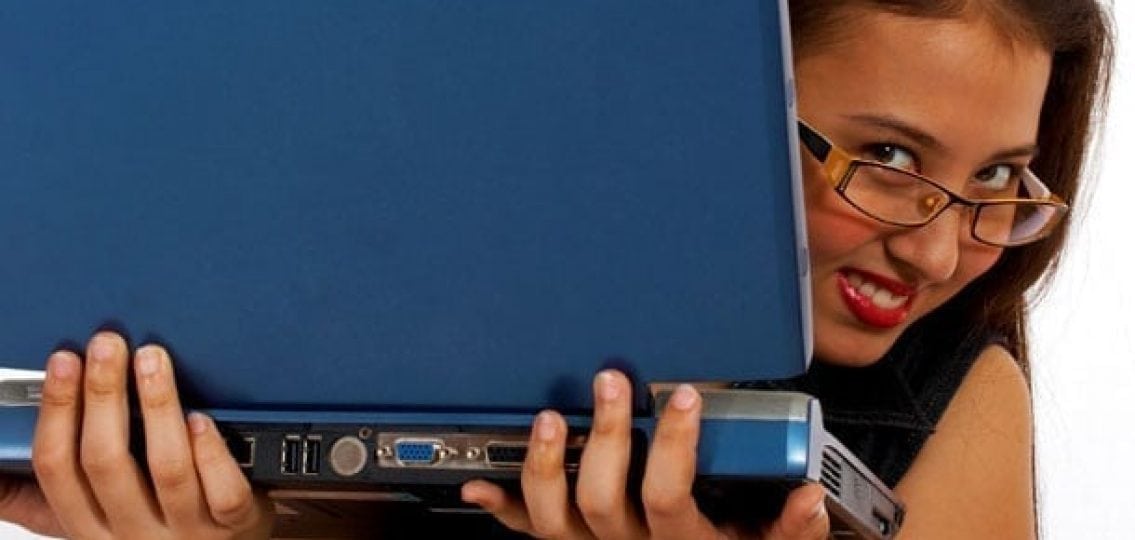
x=1078, y=34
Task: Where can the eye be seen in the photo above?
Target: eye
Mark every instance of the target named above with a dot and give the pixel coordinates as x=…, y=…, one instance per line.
x=893, y=155
x=998, y=178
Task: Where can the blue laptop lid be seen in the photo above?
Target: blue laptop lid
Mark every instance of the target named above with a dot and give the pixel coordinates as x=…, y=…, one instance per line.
x=404, y=204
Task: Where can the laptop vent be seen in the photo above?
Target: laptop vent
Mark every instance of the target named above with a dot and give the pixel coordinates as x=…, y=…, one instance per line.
x=831, y=472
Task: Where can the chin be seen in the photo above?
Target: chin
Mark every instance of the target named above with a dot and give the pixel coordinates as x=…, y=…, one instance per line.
x=852, y=349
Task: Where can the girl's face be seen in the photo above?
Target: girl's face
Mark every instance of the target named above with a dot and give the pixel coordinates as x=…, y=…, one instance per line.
x=955, y=100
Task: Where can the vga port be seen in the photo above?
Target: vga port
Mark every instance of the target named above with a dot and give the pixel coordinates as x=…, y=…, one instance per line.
x=418, y=452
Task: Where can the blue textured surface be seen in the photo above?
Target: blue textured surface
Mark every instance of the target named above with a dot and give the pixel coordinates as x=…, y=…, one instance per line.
x=378, y=203
x=17, y=428
x=748, y=448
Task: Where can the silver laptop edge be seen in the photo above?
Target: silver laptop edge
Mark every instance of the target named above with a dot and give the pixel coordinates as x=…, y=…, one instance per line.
x=24, y=391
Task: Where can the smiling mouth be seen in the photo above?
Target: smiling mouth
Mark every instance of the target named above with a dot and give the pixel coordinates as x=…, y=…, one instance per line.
x=876, y=301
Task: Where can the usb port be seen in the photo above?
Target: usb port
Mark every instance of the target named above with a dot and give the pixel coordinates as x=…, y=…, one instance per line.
x=311, y=454
x=290, y=454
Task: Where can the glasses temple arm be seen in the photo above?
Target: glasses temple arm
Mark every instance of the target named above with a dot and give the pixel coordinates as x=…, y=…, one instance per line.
x=815, y=142
x=1036, y=189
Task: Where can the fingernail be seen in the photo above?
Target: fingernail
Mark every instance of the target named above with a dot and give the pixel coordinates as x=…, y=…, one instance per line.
x=684, y=397
x=62, y=365
x=470, y=493
x=198, y=422
x=818, y=510
x=545, y=427
x=103, y=347
x=147, y=361
x=608, y=387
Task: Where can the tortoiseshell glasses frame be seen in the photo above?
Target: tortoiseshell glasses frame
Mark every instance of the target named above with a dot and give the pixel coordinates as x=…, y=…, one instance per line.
x=903, y=198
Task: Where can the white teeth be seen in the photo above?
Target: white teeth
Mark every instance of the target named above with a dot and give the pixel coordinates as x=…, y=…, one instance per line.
x=868, y=289
x=879, y=296
x=884, y=299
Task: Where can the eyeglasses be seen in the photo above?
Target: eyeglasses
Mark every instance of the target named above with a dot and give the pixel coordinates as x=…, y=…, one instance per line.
x=902, y=198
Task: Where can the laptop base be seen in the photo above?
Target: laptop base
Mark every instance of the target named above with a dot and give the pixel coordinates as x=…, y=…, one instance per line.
x=754, y=446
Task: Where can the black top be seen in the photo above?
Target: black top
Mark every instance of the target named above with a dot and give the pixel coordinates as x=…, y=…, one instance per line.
x=884, y=413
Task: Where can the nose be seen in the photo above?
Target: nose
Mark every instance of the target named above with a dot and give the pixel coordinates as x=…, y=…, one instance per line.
x=932, y=250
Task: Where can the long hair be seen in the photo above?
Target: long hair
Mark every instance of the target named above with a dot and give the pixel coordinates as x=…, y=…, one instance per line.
x=1079, y=36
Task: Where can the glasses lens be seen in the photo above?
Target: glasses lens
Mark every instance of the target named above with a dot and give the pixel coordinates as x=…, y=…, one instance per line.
x=1011, y=224
x=893, y=195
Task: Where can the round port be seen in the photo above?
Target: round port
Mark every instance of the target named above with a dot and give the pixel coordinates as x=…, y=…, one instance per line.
x=348, y=456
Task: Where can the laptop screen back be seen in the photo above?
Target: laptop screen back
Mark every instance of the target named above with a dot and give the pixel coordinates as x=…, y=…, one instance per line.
x=404, y=204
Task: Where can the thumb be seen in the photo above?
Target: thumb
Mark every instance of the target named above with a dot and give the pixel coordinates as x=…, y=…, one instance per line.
x=22, y=503
x=803, y=517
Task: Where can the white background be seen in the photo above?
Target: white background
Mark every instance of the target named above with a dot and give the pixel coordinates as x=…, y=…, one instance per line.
x=1084, y=342
x=1083, y=345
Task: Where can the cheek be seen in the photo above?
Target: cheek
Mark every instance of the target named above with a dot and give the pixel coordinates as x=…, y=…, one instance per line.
x=975, y=261
x=835, y=229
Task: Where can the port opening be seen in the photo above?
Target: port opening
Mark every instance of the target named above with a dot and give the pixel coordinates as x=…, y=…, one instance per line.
x=291, y=455
x=505, y=455
x=510, y=455
x=347, y=456
x=464, y=451
x=243, y=449
x=418, y=452
x=882, y=524
x=312, y=453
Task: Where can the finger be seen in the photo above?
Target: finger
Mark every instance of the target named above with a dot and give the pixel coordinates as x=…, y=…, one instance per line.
x=55, y=451
x=104, y=452
x=511, y=513
x=601, y=491
x=803, y=517
x=544, y=482
x=231, y=502
x=168, y=453
x=667, y=497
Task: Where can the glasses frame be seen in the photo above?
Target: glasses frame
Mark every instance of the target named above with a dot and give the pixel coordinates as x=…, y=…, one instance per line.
x=840, y=165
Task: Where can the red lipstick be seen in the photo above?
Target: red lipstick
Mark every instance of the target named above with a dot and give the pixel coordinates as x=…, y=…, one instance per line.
x=866, y=308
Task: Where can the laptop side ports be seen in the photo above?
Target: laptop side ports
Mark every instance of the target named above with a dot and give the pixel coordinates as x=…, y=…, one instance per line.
x=506, y=455
x=510, y=455
x=291, y=455
x=312, y=453
x=418, y=452
x=463, y=451
x=243, y=449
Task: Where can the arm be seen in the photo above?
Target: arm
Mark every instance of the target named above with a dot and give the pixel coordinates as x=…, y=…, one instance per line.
x=974, y=476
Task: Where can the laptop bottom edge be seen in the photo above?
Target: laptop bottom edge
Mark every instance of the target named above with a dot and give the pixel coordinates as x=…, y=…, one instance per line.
x=753, y=448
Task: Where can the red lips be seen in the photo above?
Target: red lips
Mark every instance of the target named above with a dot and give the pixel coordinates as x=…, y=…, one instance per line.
x=865, y=308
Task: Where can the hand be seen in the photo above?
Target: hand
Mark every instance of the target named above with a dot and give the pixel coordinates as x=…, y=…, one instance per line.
x=602, y=509
x=22, y=502
x=95, y=487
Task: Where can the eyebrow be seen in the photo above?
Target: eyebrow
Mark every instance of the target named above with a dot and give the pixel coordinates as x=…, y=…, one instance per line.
x=929, y=141
x=1028, y=150
x=894, y=124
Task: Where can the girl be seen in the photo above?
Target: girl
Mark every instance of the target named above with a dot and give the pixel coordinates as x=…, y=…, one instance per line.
x=943, y=143
x=915, y=115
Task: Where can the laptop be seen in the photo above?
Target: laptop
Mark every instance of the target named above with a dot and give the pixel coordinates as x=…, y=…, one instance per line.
x=378, y=235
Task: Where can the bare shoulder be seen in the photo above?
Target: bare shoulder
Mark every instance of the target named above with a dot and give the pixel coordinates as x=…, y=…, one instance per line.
x=974, y=476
